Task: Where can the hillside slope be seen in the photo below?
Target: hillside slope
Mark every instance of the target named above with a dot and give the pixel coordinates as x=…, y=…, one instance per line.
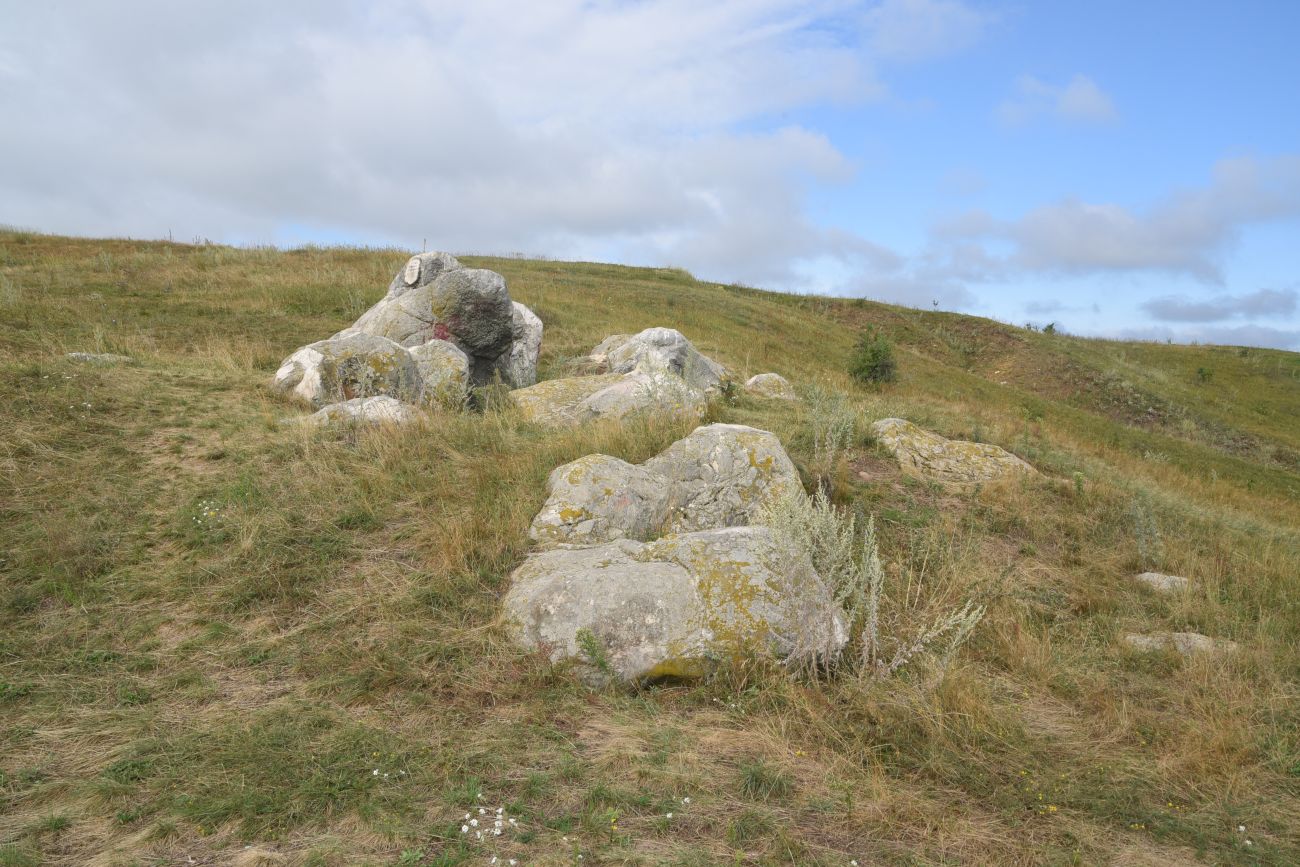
x=234, y=642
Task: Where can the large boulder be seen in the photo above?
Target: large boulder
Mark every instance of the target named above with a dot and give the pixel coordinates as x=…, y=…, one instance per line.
x=365, y=410
x=719, y=476
x=519, y=367
x=770, y=386
x=955, y=463
x=346, y=366
x=673, y=607
x=579, y=399
x=443, y=372
x=419, y=271
x=660, y=350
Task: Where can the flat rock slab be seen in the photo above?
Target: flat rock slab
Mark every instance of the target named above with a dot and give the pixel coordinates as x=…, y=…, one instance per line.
x=954, y=463
x=671, y=608
x=103, y=359
x=1185, y=643
x=379, y=410
x=718, y=476
x=1162, y=583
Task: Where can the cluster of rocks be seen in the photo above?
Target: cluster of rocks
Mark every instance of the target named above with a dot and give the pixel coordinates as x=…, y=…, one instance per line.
x=1182, y=643
x=952, y=463
x=440, y=329
x=660, y=566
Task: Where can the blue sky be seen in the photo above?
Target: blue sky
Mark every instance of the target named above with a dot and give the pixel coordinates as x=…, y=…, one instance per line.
x=1117, y=168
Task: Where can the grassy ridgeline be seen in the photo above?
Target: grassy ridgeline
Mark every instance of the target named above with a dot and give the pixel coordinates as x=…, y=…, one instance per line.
x=220, y=633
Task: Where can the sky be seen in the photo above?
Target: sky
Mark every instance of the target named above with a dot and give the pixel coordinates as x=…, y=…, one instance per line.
x=1116, y=168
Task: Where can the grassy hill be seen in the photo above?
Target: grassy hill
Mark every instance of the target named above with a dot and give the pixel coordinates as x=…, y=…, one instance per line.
x=232, y=641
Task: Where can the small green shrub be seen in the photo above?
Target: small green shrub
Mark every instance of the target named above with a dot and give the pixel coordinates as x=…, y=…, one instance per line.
x=873, y=358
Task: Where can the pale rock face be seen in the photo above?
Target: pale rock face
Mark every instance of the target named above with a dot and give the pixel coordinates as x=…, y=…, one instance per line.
x=443, y=373
x=1162, y=583
x=420, y=271
x=519, y=367
x=1184, y=643
x=770, y=386
x=670, y=608
x=103, y=359
x=661, y=350
x=579, y=399
x=598, y=499
x=365, y=410
x=406, y=319
x=344, y=367
x=955, y=463
x=722, y=475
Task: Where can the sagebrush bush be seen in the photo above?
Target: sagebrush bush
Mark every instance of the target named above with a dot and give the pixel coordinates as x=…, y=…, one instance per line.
x=873, y=358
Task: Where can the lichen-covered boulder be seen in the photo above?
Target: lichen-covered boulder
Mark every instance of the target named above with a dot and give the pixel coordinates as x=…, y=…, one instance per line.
x=347, y=366
x=598, y=499
x=721, y=475
x=519, y=367
x=443, y=373
x=955, y=463
x=661, y=350
x=1184, y=643
x=406, y=319
x=1162, y=583
x=673, y=607
x=770, y=386
x=579, y=399
x=420, y=270
x=365, y=410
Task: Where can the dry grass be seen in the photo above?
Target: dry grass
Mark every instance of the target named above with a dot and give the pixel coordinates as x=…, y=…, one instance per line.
x=173, y=688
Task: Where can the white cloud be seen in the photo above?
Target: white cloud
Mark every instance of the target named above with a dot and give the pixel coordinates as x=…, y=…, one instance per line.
x=1264, y=302
x=1079, y=100
x=1185, y=233
x=912, y=30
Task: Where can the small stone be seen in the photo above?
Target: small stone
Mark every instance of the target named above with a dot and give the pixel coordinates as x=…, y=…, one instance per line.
x=1162, y=583
x=1185, y=643
x=772, y=386
x=365, y=410
x=103, y=359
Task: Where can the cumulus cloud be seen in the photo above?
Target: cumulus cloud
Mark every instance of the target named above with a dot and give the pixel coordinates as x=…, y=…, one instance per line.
x=1185, y=233
x=1265, y=302
x=645, y=132
x=1079, y=100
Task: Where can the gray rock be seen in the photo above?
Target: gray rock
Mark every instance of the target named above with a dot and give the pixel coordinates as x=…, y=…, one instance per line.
x=772, y=386
x=103, y=359
x=1185, y=643
x=579, y=399
x=473, y=307
x=661, y=350
x=719, y=476
x=346, y=367
x=955, y=463
x=406, y=319
x=421, y=270
x=671, y=608
x=722, y=475
x=443, y=373
x=519, y=367
x=1162, y=583
x=365, y=410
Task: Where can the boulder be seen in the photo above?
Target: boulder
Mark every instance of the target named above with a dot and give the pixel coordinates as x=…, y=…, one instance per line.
x=406, y=319
x=443, y=372
x=673, y=607
x=420, y=271
x=955, y=463
x=1162, y=583
x=365, y=410
x=719, y=476
x=347, y=366
x=519, y=367
x=579, y=399
x=102, y=359
x=772, y=386
x=661, y=350
x=1184, y=643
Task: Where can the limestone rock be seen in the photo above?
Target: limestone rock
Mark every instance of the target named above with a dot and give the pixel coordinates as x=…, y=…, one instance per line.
x=661, y=350
x=1162, y=583
x=1185, y=643
x=579, y=399
x=519, y=367
x=670, y=608
x=443, y=372
x=343, y=367
x=772, y=386
x=365, y=410
x=103, y=359
x=600, y=355
x=721, y=475
x=406, y=319
x=955, y=463
x=419, y=271
x=597, y=499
